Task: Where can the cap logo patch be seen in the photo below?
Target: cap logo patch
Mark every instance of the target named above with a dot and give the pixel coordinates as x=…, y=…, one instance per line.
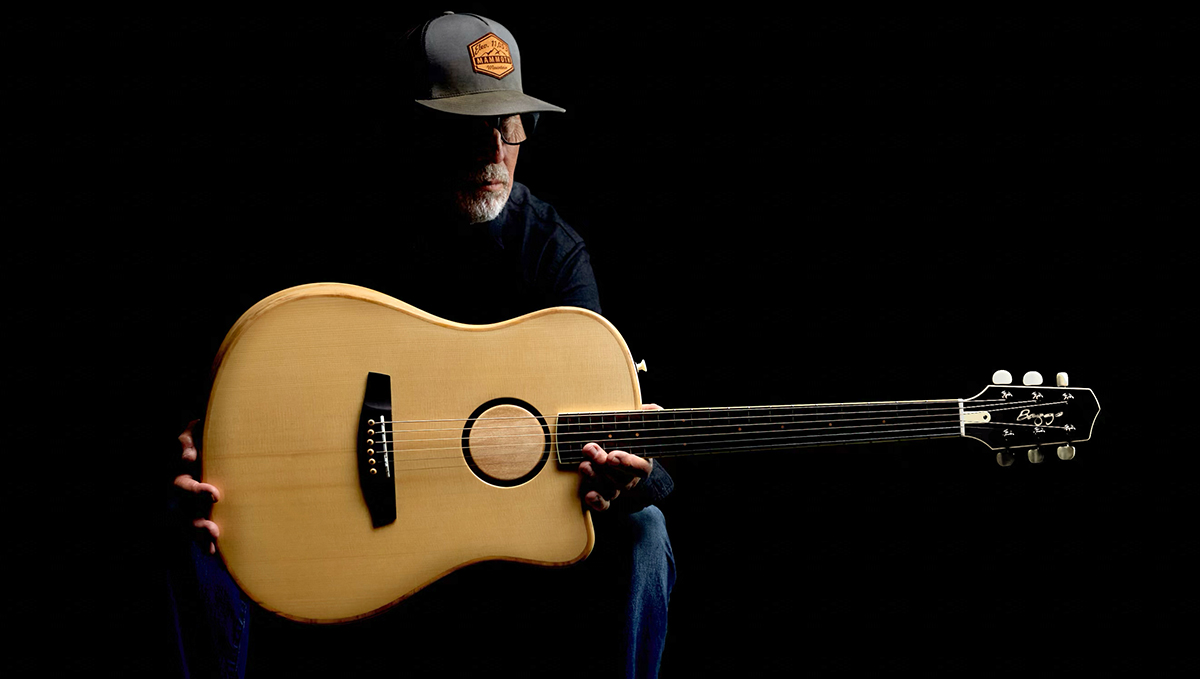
x=490, y=56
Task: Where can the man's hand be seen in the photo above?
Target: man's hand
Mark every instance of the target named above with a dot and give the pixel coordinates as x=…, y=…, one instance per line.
x=207, y=531
x=606, y=475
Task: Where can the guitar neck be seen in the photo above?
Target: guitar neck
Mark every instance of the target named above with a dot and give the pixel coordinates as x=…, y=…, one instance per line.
x=670, y=433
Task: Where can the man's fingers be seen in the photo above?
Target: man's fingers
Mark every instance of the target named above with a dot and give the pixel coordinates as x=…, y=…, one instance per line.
x=595, y=453
x=187, y=483
x=601, y=481
x=602, y=488
x=629, y=463
x=617, y=460
x=189, y=442
x=210, y=528
x=607, y=474
x=210, y=489
x=209, y=532
x=596, y=501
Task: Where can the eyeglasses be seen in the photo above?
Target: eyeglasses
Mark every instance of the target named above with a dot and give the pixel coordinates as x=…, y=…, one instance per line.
x=514, y=129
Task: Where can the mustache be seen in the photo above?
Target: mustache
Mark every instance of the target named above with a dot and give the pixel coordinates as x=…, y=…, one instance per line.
x=488, y=173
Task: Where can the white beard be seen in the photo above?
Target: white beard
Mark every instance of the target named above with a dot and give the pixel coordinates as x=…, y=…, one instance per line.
x=484, y=206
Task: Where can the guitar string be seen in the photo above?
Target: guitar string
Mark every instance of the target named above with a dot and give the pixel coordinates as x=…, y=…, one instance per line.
x=644, y=443
x=1039, y=403
x=647, y=444
x=685, y=410
x=751, y=421
x=657, y=415
x=635, y=435
x=748, y=420
x=673, y=416
x=458, y=463
x=623, y=434
x=404, y=462
x=401, y=463
x=404, y=454
x=622, y=439
x=783, y=442
x=711, y=422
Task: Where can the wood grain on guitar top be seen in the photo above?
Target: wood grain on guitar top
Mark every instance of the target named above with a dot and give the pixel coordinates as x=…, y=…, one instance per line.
x=280, y=443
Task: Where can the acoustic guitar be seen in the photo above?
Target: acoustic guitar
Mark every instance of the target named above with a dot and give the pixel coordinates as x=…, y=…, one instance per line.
x=365, y=448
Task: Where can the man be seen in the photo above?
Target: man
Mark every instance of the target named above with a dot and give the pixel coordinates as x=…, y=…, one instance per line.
x=483, y=232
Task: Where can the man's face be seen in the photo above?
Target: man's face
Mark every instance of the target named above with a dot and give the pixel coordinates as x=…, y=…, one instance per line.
x=473, y=164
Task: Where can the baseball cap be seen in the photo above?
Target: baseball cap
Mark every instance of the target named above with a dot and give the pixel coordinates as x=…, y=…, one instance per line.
x=468, y=65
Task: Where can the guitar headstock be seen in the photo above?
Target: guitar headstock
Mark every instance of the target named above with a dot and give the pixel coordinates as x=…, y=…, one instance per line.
x=1034, y=418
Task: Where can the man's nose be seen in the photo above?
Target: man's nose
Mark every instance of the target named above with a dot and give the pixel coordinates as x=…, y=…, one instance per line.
x=494, y=150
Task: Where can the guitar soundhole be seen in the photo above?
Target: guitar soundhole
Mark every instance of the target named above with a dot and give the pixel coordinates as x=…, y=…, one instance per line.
x=506, y=442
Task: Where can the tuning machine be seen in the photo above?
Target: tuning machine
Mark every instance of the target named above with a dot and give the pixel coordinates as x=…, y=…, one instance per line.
x=1005, y=458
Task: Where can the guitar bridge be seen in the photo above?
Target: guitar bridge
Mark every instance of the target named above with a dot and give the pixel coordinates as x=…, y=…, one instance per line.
x=375, y=450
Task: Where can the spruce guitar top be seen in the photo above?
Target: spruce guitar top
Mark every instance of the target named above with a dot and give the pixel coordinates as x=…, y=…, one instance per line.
x=365, y=448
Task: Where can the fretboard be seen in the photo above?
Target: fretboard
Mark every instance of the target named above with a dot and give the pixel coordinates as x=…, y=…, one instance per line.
x=667, y=433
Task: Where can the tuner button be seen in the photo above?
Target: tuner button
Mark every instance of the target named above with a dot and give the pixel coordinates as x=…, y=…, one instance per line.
x=1035, y=455
x=1004, y=458
x=641, y=367
x=1066, y=452
x=1001, y=377
x=1062, y=379
x=1032, y=379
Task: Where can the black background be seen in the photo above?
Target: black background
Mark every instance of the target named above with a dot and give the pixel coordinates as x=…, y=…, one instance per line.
x=780, y=208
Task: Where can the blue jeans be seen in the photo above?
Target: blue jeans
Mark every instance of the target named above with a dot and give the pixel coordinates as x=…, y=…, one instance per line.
x=630, y=575
x=210, y=616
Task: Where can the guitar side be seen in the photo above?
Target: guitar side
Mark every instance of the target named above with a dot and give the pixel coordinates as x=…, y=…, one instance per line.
x=280, y=443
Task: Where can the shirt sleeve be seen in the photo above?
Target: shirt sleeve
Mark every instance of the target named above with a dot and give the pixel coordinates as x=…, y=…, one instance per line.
x=652, y=490
x=575, y=284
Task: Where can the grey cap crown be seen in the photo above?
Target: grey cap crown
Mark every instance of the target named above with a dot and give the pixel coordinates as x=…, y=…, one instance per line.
x=444, y=75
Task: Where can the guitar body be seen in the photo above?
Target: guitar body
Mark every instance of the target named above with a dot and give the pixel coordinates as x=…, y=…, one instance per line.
x=281, y=442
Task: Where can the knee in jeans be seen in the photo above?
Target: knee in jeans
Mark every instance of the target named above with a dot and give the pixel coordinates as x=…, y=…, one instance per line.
x=651, y=526
x=651, y=543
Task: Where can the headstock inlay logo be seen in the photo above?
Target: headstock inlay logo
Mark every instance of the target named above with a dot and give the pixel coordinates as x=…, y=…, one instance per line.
x=490, y=56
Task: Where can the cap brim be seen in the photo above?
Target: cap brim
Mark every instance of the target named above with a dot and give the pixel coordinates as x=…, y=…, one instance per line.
x=498, y=103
